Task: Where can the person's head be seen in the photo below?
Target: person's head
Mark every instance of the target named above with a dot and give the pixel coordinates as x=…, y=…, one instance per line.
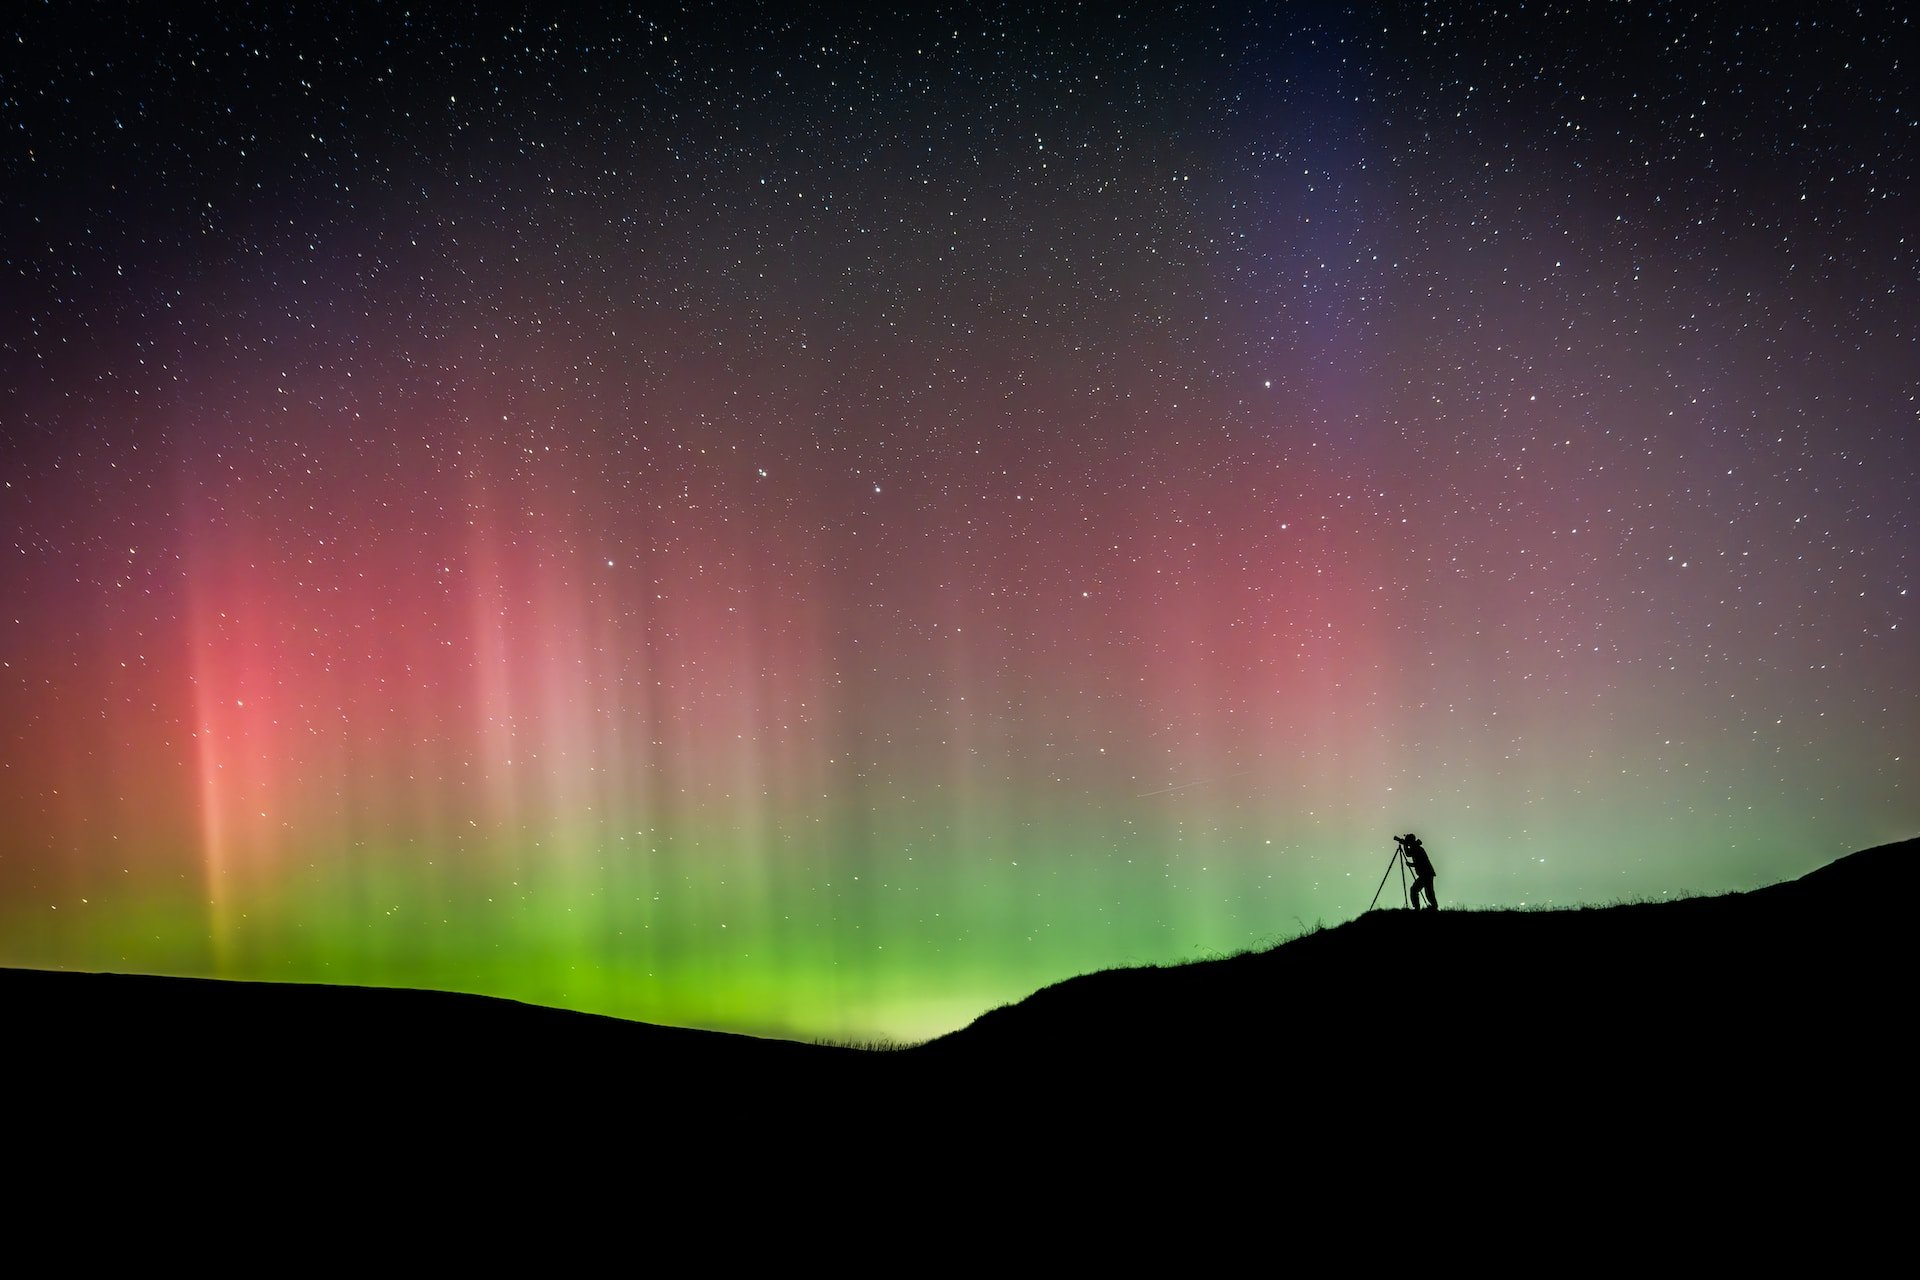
x=1409, y=838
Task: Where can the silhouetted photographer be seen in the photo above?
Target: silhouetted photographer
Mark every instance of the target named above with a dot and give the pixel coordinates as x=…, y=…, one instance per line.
x=1422, y=867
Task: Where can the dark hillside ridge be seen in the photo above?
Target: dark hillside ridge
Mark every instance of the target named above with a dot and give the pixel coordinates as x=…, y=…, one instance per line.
x=274, y=1044
x=1799, y=981
x=1801, y=985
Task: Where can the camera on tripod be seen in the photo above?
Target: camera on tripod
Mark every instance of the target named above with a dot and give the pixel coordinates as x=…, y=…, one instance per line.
x=1410, y=856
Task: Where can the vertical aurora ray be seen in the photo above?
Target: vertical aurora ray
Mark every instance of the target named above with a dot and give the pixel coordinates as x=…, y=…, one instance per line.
x=211, y=804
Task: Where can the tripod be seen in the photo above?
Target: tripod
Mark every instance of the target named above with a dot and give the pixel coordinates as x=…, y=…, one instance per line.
x=1397, y=858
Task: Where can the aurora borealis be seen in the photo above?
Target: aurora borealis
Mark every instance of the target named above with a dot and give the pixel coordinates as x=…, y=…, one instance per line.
x=820, y=525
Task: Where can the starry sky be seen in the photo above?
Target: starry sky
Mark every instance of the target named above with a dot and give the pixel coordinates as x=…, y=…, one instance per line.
x=819, y=524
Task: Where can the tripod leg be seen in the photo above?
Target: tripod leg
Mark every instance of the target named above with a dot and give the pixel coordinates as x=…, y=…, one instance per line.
x=1395, y=857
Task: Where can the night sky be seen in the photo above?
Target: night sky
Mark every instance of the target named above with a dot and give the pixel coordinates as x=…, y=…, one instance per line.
x=823, y=525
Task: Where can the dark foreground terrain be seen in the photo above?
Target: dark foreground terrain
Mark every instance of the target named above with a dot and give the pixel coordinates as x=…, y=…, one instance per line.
x=1777, y=1014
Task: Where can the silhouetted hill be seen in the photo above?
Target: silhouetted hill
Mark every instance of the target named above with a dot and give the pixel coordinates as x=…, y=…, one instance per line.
x=1705, y=1006
x=71, y=1025
x=1696, y=1002
x=327, y=1015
